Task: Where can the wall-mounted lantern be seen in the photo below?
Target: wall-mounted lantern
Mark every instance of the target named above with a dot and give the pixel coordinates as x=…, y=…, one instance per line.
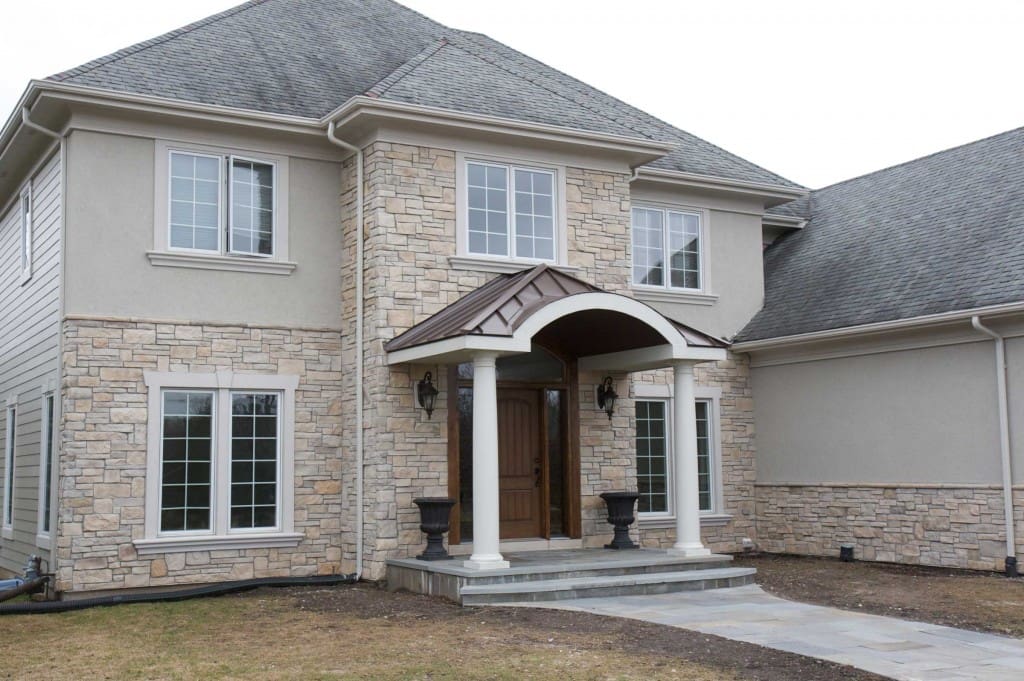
x=426, y=393
x=606, y=396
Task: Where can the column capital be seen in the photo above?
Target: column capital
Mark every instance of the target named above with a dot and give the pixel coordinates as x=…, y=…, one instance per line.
x=485, y=358
x=684, y=367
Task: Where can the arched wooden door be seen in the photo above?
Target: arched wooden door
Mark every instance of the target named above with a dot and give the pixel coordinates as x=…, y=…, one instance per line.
x=520, y=463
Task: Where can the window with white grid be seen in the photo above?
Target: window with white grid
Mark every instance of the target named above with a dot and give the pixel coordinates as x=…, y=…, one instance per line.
x=255, y=441
x=195, y=212
x=654, y=456
x=667, y=248
x=252, y=207
x=187, y=461
x=510, y=211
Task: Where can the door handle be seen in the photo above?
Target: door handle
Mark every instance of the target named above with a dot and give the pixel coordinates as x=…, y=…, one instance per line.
x=536, y=472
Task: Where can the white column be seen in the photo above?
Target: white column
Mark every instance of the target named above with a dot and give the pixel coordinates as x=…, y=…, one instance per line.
x=684, y=454
x=486, y=553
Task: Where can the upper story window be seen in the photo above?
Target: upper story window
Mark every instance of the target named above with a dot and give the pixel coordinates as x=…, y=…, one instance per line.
x=510, y=212
x=221, y=209
x=198, y=209
x=25, y=205
x=667, y=248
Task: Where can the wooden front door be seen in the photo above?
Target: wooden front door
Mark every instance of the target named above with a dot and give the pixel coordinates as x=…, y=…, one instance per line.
x=520, y=464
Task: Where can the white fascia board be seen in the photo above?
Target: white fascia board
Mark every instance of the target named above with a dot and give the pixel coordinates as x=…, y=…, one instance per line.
x=769, y=191
x=878, y=327
x=654, y=357
x=783, y=221
x=460, y=348
x=359, y=106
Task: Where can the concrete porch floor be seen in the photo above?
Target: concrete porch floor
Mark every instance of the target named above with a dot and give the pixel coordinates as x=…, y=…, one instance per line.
x=563, y=574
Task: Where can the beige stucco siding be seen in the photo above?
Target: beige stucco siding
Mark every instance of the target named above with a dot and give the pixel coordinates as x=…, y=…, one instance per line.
x=29, y=349
x=914, y=416
x=111, y=226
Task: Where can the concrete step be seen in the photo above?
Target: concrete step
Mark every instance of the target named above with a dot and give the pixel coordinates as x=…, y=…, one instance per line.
x=641, y=565
x=605, y=585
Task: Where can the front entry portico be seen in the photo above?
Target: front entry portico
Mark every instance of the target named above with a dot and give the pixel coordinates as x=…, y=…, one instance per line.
x=600, y=332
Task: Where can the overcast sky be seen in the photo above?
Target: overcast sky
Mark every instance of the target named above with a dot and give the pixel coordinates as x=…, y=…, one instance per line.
x=816, y=91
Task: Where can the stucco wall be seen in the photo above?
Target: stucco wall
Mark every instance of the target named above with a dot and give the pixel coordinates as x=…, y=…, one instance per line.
x=111, y=227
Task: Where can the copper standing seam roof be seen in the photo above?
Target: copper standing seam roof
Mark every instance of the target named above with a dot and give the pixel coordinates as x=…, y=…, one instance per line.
x=498, y=308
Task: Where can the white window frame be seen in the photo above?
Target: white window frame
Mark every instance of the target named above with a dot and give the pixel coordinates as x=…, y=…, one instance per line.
x=661, y=392
x=666, y=289
x=220, y=537
x=224, y=258
x=48, y=429
x=25, y=211
x=507, y=263
x=10, y=456
x=669, y=511
x=229, y=199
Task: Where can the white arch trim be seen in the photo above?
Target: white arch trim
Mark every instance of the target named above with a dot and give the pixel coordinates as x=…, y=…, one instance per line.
x=461, y=348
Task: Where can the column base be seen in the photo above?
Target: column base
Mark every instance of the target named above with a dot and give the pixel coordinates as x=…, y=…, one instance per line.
x=689, y=551
x=487, y=562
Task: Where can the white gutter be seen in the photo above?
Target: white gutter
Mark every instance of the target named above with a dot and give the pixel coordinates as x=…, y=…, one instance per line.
x=1004, y=443
x=876, y=327
x=359, y=341
x=712, y=182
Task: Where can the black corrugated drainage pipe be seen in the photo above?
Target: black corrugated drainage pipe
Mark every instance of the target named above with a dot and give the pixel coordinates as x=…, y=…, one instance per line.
x=176, y=595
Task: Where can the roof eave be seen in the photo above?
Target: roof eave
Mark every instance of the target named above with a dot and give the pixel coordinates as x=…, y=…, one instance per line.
x=772, y=194
x=360, y=108
x=922, y=321
x=769, y=220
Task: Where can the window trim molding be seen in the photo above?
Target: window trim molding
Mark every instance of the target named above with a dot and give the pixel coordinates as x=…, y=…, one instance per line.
x=666, y=293
x=48, y=429
x=716, y=515
x=164, y=255
x=26, y=230
x=220, y=536
x=229, y=248
x=558, y=203
x=10, y=455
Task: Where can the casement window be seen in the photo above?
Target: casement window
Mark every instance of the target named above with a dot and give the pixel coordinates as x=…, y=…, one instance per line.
x=654, y=456
x=7, y=525
x=25, y=208
x=667, y=248
x=221, y=209
x=46, y=454
x=220, y=461
x=205, y=209
x=509, y=211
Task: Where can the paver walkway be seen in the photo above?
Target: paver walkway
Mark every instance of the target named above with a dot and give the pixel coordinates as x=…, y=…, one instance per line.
x=896, y=648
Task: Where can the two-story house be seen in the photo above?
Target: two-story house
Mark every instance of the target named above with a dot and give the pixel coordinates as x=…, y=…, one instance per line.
x=268, y=278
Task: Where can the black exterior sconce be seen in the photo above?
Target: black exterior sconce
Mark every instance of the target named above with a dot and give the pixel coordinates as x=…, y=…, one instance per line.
x=426, y=393
x=606, y=396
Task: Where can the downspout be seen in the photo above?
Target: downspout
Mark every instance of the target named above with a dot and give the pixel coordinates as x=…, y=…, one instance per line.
x=1004, y=443
x=359, y=342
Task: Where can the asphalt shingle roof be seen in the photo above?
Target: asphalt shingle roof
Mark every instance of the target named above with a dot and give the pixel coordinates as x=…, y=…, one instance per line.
x=307, y=57
x=938, y=234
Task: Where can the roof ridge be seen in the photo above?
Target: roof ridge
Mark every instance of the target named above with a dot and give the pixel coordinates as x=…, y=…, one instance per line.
x=387, y=82
x=584, y=89
x=919, y=158
x=158, y=40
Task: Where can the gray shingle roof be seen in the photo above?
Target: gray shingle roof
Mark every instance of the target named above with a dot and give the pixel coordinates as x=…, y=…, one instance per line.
x=938, y=234
x=306, y=58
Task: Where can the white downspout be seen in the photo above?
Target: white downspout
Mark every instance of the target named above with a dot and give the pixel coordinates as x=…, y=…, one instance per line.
x=1004, y=443
x=359, y=341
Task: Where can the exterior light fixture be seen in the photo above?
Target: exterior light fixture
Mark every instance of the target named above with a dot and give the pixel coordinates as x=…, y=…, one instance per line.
x=606, y=396
x=426, y=393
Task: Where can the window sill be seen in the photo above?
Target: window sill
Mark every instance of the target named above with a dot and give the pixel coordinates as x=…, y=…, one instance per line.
x=667, y=296
x=220, y=262
x=7, y=533
x=662, y=522
x=43, y=542
x=469, y=262
x=148, y=547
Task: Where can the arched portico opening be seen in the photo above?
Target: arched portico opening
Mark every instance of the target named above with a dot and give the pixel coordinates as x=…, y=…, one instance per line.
x=588, y=329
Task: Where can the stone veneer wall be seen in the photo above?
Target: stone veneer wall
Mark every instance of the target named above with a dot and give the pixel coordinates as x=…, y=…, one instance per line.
x=103, y=452
x=937, y=525
x=410, y=236
x=736, y=518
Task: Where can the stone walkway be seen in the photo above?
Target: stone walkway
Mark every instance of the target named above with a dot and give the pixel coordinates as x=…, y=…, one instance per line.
x=899, y=649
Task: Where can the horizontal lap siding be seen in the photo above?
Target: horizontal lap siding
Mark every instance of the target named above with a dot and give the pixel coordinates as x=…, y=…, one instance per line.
x=29, y=348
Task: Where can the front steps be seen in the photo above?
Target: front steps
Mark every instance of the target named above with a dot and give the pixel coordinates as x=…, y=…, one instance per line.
x=558, y=575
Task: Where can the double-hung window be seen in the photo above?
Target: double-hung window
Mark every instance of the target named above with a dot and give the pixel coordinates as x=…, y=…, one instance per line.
x=25, y=208
x=667, y=248
x=220, y=461
x=221, y=204
x=654, y=457
x=46, y=453
x=10, y=440
x=511, y=212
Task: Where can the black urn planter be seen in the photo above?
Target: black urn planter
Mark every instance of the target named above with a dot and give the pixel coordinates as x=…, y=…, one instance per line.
x=621, y=516
x=434, y=521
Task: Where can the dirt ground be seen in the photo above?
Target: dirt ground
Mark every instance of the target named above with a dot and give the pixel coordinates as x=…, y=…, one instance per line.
x=361, y=632
x=957, y=598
